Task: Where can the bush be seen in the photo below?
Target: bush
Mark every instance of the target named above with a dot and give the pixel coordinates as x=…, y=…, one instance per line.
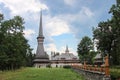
x=115, y=73
x=115, y=67
x=48, y=66
x=67, y=67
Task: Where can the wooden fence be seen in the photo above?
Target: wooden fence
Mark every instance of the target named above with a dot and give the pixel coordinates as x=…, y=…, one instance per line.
x=94, y=69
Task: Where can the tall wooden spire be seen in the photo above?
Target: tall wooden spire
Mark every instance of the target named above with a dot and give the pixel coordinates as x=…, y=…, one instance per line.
x=41, y=58
x=40, y=26
x=40, y=48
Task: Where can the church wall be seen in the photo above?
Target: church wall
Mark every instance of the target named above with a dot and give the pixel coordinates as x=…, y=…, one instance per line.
x=38, y=65
x=60, y=64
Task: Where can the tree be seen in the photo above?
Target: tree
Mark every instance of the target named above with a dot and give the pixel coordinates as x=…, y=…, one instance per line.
x=115, y=22
x=1, y=17
x=3, y=56
x=104, y=37
x=13, y=45
x=29, y=58
x=108, y=35
x=84, y=48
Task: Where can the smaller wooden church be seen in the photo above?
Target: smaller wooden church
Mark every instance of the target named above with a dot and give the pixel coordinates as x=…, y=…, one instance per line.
x=64, y=59
x=98, y=60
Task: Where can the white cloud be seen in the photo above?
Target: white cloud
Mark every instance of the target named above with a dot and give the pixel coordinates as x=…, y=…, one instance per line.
x=29, y=33
x=85, y=18
x=60, y=24
x=48, y=39
x=86, y=11
x=20, y=7
x=83, y=15
x=53, y=25
x=62, y=49
x=70, y=2
x=56, y=26
x=0, y=11
x=50, y=47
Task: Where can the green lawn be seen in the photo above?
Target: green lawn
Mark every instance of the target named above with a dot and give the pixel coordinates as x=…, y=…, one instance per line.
x=40, y=74
x=115, y=73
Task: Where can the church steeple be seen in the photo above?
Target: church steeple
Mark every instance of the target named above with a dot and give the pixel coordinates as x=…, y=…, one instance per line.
x=41, y=58
x=40, y=26
x=66, y=51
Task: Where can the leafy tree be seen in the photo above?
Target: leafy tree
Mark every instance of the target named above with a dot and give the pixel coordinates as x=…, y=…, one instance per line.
x=13, y=45
x=84, y=48
x=30, y=58
x=1, y=17
x=104, y=37
x=115, y=23
x=108, y=35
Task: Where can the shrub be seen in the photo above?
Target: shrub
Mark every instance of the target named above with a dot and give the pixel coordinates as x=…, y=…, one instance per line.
x=67, y=67
x=115, y=73
x=49, y=66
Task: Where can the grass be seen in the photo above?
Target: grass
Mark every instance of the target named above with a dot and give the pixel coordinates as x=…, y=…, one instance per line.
x=40, y=74
x=115, y=73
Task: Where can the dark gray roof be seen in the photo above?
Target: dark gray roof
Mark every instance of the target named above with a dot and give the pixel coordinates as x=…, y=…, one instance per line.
x=41, y=60
x=98, y=56
x=66, y=56
x=40, y=52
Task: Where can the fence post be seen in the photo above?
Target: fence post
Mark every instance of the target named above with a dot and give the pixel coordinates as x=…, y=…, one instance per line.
x=84, y=65
x=107, y=73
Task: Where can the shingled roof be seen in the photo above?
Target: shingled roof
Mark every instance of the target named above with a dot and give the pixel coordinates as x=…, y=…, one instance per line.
x=66, y=56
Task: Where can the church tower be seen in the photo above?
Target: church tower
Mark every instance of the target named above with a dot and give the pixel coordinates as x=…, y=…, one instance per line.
x=41, y=58
x=66, y=51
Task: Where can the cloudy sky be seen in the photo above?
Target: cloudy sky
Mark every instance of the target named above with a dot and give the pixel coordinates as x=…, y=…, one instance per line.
x=65, y=22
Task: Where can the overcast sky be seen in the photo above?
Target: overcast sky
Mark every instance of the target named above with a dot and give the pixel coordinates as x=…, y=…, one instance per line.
x=65, y=22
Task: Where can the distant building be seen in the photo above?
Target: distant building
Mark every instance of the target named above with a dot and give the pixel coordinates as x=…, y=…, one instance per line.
x=63, y=59
x=41, y=58
x=98, y=60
